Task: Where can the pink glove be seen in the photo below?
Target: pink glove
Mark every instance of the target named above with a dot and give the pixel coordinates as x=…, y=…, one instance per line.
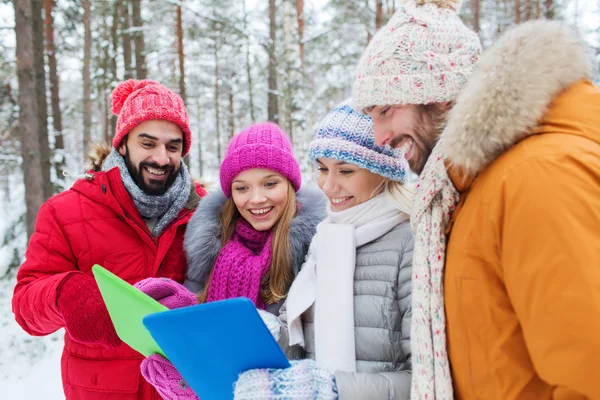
x=167, y=292
x=161, y=374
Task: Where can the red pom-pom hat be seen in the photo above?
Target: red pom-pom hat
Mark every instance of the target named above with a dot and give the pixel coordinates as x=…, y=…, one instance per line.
x=137, y=101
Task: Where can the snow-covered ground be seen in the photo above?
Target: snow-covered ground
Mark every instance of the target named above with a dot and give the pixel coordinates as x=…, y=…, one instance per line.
x=29, y=366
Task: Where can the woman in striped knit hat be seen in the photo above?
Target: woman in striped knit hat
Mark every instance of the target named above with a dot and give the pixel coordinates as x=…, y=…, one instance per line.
x=348, y=311
x=248, y=240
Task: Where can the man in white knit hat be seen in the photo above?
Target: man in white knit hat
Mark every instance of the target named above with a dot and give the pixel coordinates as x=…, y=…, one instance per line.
x=407, y=80
x=506, y=265
x=412, y=71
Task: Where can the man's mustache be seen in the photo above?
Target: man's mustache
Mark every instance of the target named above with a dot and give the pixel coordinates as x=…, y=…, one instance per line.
x=400, y=139
x=168, y=167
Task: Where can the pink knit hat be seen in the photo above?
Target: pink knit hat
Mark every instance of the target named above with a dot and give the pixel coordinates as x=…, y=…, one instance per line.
x=262, y=145
x=134, y=102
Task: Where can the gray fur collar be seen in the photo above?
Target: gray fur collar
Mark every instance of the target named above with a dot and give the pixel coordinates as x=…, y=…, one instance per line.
x=510, y=90
x=203, y=234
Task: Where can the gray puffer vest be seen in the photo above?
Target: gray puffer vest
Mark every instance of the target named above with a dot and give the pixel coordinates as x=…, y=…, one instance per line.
x=382, y=313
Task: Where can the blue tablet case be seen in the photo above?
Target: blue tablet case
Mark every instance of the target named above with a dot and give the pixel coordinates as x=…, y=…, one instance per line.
x=211, y=344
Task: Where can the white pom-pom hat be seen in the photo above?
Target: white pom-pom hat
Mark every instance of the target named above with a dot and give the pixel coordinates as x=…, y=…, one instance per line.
x=423, y=55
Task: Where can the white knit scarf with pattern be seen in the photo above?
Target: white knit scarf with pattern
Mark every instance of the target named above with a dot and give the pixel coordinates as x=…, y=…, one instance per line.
x=435, y=200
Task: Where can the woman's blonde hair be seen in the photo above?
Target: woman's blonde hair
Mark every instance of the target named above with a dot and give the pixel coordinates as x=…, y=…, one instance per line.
x=400, y=193
x=278, y=278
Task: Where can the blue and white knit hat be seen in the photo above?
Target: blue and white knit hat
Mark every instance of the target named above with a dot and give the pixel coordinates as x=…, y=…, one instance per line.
x=347, y=135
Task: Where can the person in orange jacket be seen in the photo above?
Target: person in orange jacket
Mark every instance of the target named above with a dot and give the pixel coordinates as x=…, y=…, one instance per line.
x=506, y=270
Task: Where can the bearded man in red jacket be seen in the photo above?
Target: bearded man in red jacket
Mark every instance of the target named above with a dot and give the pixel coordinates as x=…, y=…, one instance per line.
x=129, y=215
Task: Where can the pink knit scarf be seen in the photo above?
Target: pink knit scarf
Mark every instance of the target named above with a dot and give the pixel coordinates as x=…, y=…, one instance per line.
x=241, y=265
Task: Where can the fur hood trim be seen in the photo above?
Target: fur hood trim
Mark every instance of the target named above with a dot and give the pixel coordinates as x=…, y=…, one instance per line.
x=510, y=90
x=203, y=235
x=96, y=156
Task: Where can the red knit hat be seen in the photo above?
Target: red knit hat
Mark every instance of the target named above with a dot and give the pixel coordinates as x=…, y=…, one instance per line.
x=134, y=102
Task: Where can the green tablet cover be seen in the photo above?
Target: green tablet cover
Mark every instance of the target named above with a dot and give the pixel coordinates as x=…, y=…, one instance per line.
x=127, y=307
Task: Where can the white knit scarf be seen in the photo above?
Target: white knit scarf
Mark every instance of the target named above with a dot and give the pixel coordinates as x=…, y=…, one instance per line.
x=435, y=200
x=327, y=279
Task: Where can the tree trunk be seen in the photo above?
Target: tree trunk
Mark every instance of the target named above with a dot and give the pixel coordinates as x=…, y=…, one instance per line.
x=182, y=93
x=538, y=9
x=138, y=36
x=476, y=7
x=287, y=87
x=378, y=14
x=527, y=10
x=217, y=94
x=181, y=54
x=231, y=113
x=104, y=63
x=248, y=65
x=109, y=129
x=199, y=130
x=114, y=36
x=40, y=86
x=272, y=107
x=86, y=73
x=549, y=9
x=59, y=144
x=300, y=17
x=28, y=112
x=517, y=12
x=369, y=36
x=504, y=19
x=126, y=37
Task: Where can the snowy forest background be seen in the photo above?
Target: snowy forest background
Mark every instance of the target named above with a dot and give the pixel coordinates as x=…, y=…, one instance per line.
x=233, y=62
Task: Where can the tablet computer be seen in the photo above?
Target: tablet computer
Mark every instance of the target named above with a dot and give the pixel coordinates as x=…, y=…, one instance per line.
x=211, y=344
x=127, y=307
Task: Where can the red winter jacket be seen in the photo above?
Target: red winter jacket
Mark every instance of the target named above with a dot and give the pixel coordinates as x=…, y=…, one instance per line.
x=95, y=222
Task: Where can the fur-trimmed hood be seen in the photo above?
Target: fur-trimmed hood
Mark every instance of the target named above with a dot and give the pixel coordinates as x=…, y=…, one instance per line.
x=96, y=156
x=508, y=94
x=203, y=235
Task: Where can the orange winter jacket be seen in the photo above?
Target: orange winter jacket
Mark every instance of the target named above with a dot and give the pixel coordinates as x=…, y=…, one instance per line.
x=522, y=277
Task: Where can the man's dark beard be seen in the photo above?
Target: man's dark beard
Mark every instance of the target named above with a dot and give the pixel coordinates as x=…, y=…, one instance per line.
x=155, y=187
x=428, y=128
x=423, y=151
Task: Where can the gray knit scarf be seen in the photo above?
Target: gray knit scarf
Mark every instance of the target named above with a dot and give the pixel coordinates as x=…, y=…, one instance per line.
x=166, y=206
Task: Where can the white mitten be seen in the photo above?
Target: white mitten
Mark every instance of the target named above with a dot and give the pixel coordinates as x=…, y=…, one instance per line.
x=272, y=322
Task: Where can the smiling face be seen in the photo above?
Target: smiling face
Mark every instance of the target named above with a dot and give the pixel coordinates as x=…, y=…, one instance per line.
x=152, y=152
x=260, y=195
x=346, y=185
x=410, y=127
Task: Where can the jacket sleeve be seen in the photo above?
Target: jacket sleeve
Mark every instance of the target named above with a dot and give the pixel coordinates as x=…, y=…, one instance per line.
x=292, y=352
x=394, y=385
x=48, y=261
x=193, y=286
x=550, y=258
x=382, y=385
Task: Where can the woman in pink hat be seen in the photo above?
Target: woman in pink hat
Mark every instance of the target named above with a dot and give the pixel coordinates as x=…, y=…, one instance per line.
x=248, y=240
